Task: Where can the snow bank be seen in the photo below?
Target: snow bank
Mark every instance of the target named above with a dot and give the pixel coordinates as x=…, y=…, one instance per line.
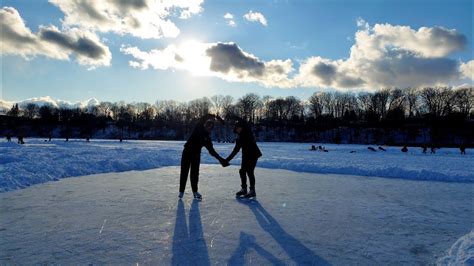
x=38, y=161
x=461, y=253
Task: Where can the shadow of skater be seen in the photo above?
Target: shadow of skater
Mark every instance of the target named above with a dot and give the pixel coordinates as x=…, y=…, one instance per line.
x=247, y=242
x=298, y=252
x=189, y=245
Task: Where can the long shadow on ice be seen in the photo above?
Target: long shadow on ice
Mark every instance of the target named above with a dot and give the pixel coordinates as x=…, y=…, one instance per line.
x=189, y=245
x=247, y=242
x=298, y=252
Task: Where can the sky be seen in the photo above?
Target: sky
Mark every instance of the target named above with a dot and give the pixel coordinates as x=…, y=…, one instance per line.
x=148, y=50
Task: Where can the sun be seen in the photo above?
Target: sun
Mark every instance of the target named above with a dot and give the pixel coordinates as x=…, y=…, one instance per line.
x=192, y=57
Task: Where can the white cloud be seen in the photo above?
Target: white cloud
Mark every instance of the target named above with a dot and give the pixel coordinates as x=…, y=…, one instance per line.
x=389, y=56
x=141, y=18
x=224, y=60
x=256, y=17
x=230, y=19
x=382, y=56
x=467, y=69
x=5, y=106
x=49, y=41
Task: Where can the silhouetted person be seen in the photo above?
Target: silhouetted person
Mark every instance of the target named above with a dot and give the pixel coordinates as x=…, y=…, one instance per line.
x=9, y=138
x=425, y=148
x=50, y=136
x=20, y=139
x=191, y=158
x=462, y=148
x=433, y=149
x=372, y=149
x=88, y=139
x=382, y=149
x=250, y=154
x=405, y=148
x=67, y=139
x=313, y=148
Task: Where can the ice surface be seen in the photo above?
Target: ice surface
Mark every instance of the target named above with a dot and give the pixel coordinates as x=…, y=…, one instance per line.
x=299, y=218
x=38, y=161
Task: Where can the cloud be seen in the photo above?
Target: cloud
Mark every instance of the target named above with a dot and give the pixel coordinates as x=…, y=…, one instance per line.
x=17, y=39
x=224, y=60
x=230, y=19
x=256, y=17
x=5, y=106
x=389, y=56
x=147, y=19
x=467, y=69
x=382, y=56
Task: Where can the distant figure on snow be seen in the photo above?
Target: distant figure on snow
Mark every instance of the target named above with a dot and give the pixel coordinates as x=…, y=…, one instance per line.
x=462, y=148
x=313, y=148
x=433, y=149
x=250, y=154
x=9, y=138
x=405, y=148
x=191, y=157
x=382, y=149
x=425, y=148
x=370, y=148
x=20, y=139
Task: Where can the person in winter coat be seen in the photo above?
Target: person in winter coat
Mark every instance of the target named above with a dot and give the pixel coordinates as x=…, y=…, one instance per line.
x=250, y=154
x=191, y=157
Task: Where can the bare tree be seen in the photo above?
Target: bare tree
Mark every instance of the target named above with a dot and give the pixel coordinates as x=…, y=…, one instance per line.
x=31, y=110
x=248, y=106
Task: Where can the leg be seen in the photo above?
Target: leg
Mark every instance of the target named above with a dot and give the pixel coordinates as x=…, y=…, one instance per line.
x=185, y=164
x=250, y=168
x=243, y=177
x=195, y=161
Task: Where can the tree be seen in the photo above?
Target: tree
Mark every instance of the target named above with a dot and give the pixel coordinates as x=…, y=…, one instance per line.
x=14, y=111
x=31, y=110
x=248, y=105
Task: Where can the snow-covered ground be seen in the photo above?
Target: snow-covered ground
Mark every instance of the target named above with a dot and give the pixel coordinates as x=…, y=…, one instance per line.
x=38, y=161
x=299, y=218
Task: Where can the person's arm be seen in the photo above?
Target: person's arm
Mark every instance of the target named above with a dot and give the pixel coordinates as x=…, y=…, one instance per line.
x=212, y=152
x=236, y=150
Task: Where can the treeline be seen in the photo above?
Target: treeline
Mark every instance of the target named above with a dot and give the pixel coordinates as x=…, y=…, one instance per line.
x=443, y=113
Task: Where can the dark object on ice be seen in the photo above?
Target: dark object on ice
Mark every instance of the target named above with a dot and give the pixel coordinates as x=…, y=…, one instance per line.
x=20, y=140
x=372, y=149
x=433, y=149
x=352, y=151
x=382, y=149
x=325, y=151
x=67, y=139
x=120, y=140
x=88, y=139
x=405, y=148
x=313, y=148
x=191, y=157
x=250, y=153
x=462, y=148
x=242, y=192
x=9, y=138
x=425, y=148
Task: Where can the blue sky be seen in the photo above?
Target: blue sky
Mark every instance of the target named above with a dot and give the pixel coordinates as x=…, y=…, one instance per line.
x=313, y=34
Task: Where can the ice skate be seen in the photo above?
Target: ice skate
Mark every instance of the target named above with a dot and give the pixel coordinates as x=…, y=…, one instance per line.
x=241, y=193
x=197, y=196
x=180, y=195
x=251, y=194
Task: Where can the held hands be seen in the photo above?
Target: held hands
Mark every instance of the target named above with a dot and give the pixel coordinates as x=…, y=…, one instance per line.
x=223, y=162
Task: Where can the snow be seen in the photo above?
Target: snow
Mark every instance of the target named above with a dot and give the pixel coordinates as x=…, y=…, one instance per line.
x=38, y=161
x=461, y=253
x=300, y=218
